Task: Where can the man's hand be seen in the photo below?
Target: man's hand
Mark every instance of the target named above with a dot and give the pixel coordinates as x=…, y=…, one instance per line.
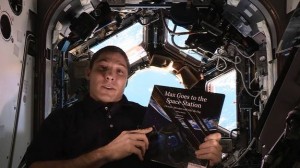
x=127, y=143
x=210, y=149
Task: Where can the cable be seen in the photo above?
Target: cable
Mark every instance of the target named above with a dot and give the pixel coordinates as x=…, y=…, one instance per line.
x=243, y=80
x=255, y=78
x=236, y=61
x=258, y=94
x=174, y=43
x=222, y=58
x=248, y=57
x=244, y=153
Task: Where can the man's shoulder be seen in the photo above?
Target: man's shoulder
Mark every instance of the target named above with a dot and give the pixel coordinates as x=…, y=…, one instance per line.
x=136, y=105
x=68, y=110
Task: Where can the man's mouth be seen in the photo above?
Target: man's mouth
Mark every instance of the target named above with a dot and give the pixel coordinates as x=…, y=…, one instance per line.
x=109, y=87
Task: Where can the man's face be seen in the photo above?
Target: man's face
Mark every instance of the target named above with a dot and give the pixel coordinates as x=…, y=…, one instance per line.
x=108, y=77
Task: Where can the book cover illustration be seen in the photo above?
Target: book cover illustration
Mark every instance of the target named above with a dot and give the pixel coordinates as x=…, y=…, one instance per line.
x=181, y=119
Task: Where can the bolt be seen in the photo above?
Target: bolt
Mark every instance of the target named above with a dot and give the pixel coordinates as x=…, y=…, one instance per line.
x=262, y=58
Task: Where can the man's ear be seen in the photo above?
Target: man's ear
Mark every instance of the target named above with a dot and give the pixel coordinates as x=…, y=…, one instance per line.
x=87, y=73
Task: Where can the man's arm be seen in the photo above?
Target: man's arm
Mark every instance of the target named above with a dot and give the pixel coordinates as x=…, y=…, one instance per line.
x=96, y=158
x=127, y=143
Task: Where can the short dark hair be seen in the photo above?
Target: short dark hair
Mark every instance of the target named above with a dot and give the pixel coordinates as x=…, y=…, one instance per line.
x=115, y=49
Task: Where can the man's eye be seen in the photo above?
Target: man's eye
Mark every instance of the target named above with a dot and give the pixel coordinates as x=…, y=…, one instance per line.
x=120, y=72
x=102, y=68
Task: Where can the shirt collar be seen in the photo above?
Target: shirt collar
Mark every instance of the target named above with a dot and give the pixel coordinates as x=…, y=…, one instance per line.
x=93, y=105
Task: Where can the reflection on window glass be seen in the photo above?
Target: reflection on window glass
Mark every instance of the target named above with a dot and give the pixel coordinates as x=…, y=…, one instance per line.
x=226, y=84
x=129, y=40
x=140, y=84
x=180, y=41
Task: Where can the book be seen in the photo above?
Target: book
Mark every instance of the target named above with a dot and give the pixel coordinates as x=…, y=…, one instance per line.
x=181, y=118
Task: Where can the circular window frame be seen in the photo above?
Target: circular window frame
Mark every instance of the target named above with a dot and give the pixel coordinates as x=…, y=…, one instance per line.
x=9, y=24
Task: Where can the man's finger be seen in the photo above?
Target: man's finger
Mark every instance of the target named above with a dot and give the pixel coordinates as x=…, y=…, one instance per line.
x=214, y=136
x=142, y=131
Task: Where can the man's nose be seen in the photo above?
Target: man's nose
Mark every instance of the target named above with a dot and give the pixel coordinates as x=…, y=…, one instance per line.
x=109, y=75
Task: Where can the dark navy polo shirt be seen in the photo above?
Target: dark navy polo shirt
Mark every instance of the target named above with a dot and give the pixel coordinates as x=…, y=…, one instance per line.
x=83, y=127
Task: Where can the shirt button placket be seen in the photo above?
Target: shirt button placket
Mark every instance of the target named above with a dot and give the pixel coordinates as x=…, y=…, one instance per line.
x=109, y=117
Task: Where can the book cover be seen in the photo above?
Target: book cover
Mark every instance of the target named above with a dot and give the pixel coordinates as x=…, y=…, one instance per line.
x=181, y=119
